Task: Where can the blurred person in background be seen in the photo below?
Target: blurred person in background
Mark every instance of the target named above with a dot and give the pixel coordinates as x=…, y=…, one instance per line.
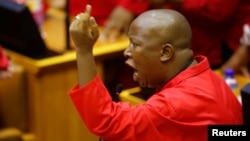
x=240, y=60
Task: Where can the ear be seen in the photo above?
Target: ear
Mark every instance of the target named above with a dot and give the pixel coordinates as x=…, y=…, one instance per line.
x=167, y=52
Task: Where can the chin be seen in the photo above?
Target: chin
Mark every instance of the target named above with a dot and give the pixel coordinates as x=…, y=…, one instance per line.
x=143, y=85
x=150, y=86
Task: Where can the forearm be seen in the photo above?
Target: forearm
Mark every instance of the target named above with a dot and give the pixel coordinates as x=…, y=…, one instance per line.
x=86, y=67
x=84, y=32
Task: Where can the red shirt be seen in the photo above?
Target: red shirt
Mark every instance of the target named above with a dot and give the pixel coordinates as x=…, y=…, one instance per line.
x=181, y=110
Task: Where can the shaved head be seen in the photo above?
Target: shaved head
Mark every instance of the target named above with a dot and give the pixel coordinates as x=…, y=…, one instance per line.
x=169, y=26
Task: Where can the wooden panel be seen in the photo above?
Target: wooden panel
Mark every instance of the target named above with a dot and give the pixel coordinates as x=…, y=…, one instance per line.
x=52, y=116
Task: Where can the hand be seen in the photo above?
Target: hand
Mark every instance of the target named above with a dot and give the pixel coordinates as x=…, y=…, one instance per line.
x=245, y=39
x=117, y=24
x=238, y=61
x=84, y=31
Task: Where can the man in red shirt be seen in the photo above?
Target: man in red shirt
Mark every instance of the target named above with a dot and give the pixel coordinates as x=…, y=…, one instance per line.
x=189, y=96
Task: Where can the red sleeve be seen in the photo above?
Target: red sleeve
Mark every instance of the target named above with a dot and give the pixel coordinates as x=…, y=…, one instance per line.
x=216, y=10
x=4, y=62
x=93, y=103
x=94, y=95
x=135, y=6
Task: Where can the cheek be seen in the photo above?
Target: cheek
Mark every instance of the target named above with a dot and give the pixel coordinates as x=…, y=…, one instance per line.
x=146, y=59
x=140, y=60
x=145, y=66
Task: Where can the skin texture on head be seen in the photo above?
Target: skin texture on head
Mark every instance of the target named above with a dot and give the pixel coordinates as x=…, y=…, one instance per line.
x=160, y=47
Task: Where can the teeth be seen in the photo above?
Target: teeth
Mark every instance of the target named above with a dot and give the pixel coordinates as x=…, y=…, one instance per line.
x=135, y=76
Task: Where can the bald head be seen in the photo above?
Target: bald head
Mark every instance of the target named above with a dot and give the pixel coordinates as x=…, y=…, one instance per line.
x=159, y=39
x=167, y=26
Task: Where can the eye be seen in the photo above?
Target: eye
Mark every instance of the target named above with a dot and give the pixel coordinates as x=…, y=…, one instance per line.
x=133, y=44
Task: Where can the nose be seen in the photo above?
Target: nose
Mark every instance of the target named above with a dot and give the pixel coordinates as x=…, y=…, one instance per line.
x=127, y=53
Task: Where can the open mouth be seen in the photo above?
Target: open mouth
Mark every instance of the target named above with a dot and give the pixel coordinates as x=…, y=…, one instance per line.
x=135, y=75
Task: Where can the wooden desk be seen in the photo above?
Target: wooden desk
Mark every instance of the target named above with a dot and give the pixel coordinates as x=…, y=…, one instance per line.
x=52, y=115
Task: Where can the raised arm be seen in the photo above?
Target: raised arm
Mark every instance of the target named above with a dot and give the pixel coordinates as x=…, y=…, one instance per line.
x=84, y=32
